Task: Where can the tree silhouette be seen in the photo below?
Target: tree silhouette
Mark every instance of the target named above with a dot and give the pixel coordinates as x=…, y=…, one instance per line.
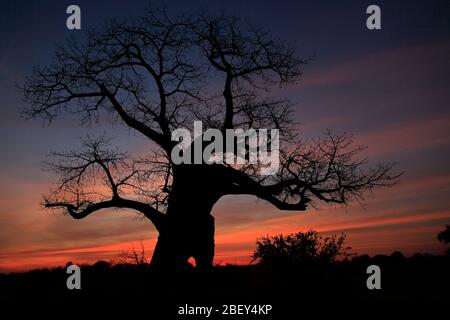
x=300, y=248
x=159, y=73
x=444, y=235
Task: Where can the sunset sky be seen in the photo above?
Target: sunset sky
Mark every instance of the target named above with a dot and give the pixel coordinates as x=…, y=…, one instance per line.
x=390, y=88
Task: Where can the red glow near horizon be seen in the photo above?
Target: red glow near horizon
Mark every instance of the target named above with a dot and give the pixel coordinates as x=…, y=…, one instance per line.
x=236, y=247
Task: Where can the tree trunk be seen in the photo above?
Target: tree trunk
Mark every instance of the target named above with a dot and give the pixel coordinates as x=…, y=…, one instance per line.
x=188, y=230
x=181, y=239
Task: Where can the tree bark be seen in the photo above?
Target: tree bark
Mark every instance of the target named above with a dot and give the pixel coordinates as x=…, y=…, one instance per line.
x=188, y=230
x=181, y=239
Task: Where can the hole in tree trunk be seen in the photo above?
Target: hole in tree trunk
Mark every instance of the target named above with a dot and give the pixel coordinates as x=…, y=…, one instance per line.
x=191, y=261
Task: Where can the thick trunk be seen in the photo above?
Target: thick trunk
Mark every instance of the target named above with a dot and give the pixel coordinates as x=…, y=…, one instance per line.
x=184, y=238
x=188, y=230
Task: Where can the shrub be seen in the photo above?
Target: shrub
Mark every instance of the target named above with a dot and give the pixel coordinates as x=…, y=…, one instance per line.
x=444, y=236
x=300, y=248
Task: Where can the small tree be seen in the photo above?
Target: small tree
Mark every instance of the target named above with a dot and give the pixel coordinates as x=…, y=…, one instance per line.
x=133, y=256
x=300, y=248
x=444, y=237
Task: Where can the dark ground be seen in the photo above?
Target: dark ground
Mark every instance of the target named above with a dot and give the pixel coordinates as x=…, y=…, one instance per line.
x=293, y=291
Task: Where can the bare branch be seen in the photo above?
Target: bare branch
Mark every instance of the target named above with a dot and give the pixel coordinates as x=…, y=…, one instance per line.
x=245, y=55
x=329, y=170
x=80, y=171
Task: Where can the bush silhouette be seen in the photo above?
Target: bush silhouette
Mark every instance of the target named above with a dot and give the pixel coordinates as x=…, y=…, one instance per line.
x=300, y=248
x=133, y=256
x=444, y=236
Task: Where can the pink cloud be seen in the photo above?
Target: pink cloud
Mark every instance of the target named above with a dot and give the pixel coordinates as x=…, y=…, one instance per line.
x=408, y=136
x=415, y=61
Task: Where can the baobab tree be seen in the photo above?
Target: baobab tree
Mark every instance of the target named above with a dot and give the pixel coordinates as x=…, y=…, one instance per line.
x=159, y=73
